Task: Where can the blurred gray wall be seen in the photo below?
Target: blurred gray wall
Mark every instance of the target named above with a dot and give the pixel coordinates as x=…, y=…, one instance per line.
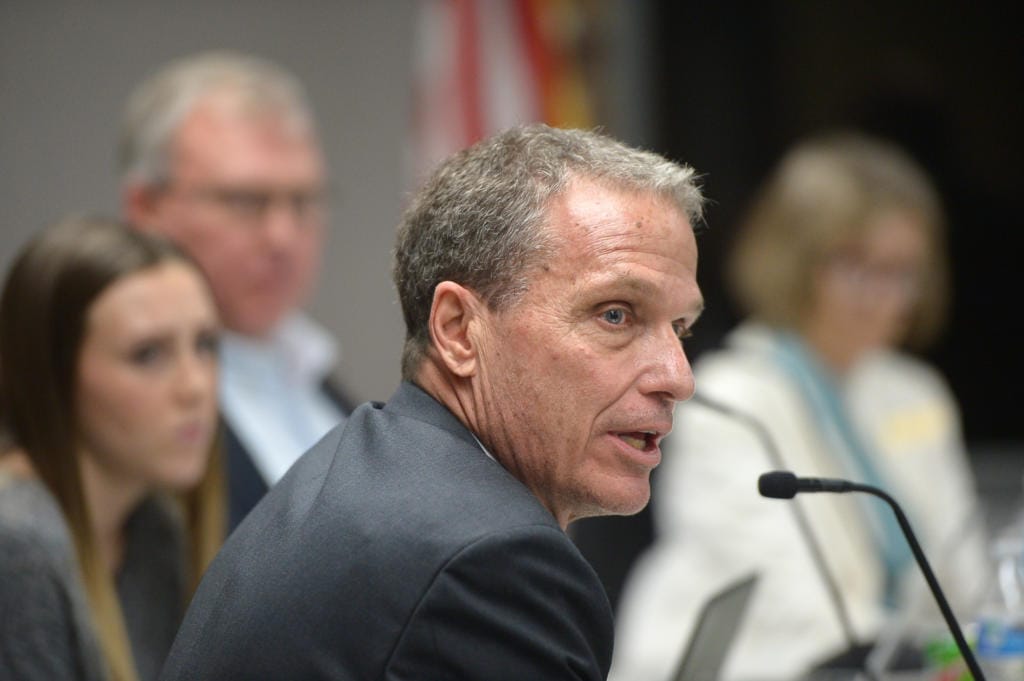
x=66, y=68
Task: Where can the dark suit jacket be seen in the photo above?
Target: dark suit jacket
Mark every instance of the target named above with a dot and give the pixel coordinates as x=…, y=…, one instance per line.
x=246, y=485
x=396, y=549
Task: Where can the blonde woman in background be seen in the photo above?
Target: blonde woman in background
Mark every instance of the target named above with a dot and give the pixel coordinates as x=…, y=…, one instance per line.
x=110, y=504
x=840, y=264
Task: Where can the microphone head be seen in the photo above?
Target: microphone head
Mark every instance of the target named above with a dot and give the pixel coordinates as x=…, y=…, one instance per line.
x=777, y=485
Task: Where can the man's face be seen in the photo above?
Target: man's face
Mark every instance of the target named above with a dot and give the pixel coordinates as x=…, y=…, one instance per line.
x=577, y=381
x=245, y=199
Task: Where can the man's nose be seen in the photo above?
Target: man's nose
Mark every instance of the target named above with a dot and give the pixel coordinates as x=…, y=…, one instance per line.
x=670, y=372
x=281, y=223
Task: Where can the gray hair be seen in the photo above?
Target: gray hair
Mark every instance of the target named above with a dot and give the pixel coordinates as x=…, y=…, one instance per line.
x=158, y=106
x=478, y=219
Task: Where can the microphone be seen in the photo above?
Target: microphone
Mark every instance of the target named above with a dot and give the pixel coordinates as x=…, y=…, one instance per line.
x=786, y=485
x=803, y=526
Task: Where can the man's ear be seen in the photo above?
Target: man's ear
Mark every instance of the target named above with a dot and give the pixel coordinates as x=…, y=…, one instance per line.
x=454, y=310
x=140, y=204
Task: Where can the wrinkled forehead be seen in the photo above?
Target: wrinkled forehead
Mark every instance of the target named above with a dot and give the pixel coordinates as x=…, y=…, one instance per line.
x=230, y=113
x=218, y=140
x=241, y=101
x=595, y=210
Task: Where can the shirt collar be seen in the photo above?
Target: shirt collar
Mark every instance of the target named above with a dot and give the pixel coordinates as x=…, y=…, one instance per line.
x=298, y=343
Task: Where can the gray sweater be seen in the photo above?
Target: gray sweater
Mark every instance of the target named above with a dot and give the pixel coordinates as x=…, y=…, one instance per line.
x=45, y=628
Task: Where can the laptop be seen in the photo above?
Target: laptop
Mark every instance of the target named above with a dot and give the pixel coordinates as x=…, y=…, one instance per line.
x=717, y=625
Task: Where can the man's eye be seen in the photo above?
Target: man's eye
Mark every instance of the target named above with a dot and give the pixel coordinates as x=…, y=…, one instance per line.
x=250, y=203
x=307, y=203
x=615, y=316
x=682, y=331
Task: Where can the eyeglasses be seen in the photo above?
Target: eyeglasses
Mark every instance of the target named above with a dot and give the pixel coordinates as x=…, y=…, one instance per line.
x=252, y=205
x=873, y=278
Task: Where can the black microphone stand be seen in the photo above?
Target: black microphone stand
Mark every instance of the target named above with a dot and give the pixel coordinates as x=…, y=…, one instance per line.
x=803, y=526
x=933, y=583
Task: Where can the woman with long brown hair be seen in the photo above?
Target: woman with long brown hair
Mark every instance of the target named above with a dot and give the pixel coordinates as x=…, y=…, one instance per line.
x=110, y=502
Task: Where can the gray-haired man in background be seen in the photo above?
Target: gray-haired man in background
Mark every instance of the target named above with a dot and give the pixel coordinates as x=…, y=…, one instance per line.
x=219, y=152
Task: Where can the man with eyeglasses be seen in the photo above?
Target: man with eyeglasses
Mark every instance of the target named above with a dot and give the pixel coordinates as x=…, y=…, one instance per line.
x=219, y=152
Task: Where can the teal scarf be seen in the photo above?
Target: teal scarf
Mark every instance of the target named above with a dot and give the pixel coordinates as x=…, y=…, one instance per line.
x=821, y=393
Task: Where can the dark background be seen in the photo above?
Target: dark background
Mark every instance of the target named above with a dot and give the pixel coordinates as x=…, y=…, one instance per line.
x=737, y=83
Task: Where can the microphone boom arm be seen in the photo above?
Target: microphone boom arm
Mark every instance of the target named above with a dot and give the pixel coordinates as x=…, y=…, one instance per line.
x=929, y=576
x=803, y=525
x=785, y=485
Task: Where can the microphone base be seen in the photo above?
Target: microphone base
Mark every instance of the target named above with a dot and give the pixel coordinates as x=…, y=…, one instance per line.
x=854, y=658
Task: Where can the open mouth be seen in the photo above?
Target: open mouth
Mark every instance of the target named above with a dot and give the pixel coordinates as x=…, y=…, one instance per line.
x=641, y=440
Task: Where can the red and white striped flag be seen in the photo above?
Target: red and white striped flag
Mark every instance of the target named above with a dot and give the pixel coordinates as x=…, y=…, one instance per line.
x=484, y=65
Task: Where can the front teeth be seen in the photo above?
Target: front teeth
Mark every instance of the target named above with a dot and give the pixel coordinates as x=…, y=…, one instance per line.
x=634, y=442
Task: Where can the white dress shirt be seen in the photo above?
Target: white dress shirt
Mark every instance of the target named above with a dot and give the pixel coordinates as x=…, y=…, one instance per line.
x=271, y=392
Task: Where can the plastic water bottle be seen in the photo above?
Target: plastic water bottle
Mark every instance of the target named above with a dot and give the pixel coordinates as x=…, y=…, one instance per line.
x=1001, y=623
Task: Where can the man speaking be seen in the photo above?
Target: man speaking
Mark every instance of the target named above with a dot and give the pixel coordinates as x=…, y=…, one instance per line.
x=546, y=278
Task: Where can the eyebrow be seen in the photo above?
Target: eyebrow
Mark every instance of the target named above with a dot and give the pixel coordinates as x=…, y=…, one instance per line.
x=642, y=287
x=635, y=285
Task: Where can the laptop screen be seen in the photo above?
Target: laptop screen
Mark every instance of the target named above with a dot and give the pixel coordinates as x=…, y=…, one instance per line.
x=717, y=625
